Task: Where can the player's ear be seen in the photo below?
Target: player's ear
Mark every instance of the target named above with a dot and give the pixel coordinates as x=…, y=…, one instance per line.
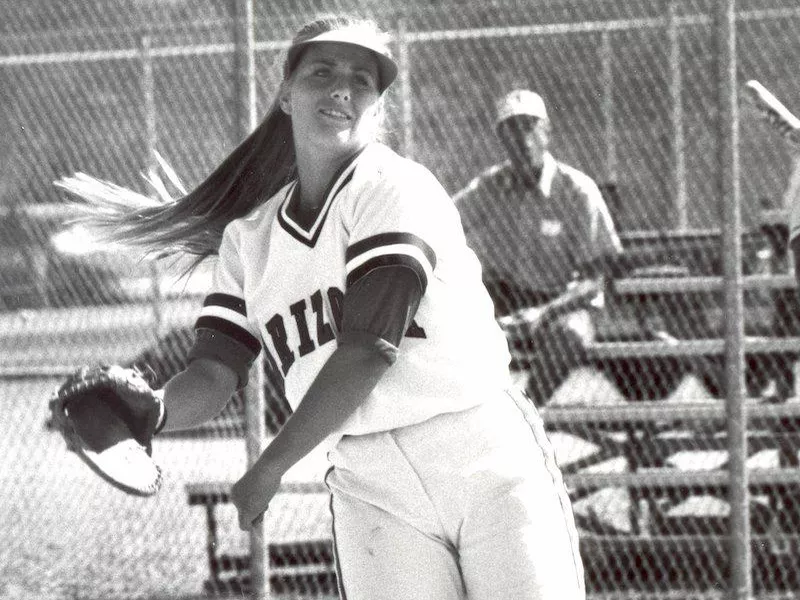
x=377, y=120
x=547, y=128
x=380, y=109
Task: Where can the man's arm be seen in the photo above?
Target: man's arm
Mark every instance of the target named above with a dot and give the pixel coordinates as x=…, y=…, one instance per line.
x=601, y=237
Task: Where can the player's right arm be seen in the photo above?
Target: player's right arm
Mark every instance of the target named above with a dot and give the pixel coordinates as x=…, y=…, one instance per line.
x=198, y=393
x=225, y=347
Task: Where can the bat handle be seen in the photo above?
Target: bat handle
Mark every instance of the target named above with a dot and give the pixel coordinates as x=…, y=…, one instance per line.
x=774, y=111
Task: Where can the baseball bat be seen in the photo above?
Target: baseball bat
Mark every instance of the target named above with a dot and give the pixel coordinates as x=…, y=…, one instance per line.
x=788, y=125
x=529, y=319
x=773, y=111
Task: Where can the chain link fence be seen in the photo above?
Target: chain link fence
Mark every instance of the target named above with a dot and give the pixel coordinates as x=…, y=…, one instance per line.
x=639, y=429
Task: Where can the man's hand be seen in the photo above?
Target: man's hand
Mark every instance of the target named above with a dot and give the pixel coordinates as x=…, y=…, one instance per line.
x=527, y=321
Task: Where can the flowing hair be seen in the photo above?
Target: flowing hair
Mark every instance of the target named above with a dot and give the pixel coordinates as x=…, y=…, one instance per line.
x=194, y=222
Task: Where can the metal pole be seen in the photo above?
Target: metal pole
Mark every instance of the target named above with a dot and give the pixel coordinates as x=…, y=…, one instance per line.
x=256, y=434
x=245, y=67
x=676, y=89
x=728, y=187
x=254, y=401
x=610, y=138
x=151, y=141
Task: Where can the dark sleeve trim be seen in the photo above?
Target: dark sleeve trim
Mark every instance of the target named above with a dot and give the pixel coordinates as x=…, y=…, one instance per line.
x=212, y=344
x=390, y=239
x=389, y=260
x=390, y=249
x=383, y=303
x=231, y=330
x=226, y=301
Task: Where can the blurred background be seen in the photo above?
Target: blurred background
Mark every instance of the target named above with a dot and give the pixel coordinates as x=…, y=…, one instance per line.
x=100, y=85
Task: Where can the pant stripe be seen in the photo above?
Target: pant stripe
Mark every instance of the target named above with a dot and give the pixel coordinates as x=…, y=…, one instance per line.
x=336, y=562
x=537, y=428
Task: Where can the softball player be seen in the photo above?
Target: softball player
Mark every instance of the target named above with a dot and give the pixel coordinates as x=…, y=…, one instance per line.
x=347, y=265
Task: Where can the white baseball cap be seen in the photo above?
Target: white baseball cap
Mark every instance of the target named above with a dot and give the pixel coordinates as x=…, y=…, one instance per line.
x=520, y=102
x=357, y=35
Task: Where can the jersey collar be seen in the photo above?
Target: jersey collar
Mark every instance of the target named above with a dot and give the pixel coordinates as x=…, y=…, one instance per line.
x=548, y=174
x=308, y=235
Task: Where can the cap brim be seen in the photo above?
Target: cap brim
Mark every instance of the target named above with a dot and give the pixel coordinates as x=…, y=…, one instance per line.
x=387, y=68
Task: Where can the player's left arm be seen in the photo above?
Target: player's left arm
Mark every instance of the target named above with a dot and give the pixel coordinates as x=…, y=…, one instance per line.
x=378, y=309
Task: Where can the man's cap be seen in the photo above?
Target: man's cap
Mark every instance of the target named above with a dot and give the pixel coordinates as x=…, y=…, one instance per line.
x=356, y=35
x=520, y=102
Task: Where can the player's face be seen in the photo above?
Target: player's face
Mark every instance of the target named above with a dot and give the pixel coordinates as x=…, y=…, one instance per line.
x=525, y=139
x=333, y=97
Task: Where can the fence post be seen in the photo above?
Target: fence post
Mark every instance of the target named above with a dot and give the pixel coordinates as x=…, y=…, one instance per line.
x=728, y=187
x=679, y=141
x=254, y=401
x=245, y=68
x=610, y=130
x=255, y=431
x=151, y=140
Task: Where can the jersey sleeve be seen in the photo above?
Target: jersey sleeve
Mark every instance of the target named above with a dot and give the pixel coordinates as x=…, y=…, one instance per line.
x=378, y=309
x=223, y=331
x=397, y=222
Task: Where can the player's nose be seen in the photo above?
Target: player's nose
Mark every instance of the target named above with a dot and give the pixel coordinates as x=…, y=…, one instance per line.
x=340, y=89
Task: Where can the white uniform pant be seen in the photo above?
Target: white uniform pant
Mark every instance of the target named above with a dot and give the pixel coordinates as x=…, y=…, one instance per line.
x=464, y=505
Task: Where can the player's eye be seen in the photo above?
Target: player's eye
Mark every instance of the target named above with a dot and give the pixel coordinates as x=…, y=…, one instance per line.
x=365, y=80
x=527, y=126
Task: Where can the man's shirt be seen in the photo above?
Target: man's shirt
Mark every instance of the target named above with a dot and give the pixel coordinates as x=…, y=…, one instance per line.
x=536, y=236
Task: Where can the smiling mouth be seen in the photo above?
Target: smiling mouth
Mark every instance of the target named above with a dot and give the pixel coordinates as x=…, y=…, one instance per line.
x=335, y=114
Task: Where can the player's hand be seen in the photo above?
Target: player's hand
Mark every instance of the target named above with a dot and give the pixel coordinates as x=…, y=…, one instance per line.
x=252, y=494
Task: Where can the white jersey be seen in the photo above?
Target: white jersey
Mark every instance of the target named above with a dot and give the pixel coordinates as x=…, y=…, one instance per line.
x=283, y=284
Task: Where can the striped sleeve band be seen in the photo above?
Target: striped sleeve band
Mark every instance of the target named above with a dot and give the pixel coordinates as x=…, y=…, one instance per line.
x=223, y=334
x=227, y=314
x=390, y=249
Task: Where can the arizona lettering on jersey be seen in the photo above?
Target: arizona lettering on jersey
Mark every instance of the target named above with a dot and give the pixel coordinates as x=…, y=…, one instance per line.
x=289, y=281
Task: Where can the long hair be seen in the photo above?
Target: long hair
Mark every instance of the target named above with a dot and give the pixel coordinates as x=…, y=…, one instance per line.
x=193, y=223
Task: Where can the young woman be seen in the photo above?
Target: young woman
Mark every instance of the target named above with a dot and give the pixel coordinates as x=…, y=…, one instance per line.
x=347, y=265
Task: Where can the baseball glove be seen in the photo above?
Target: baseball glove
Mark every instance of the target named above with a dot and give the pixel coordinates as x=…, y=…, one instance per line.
x=108, y=416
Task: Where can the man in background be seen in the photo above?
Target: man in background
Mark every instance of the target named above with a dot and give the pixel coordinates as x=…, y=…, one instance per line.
x=538, y=226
